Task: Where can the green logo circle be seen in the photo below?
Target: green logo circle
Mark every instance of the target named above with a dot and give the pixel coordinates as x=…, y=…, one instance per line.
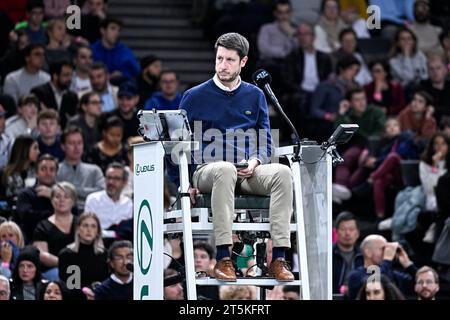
x=144, y=233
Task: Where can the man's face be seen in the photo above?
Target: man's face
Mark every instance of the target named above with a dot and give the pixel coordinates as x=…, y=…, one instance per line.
x=349, y=42
x=201, y=260
x=421, y=12
x=111, y=33
x=174, y=292
x=73, y=146
x=154, y=69
x=305, y=36
x=94, y=106
x=36, y=59
x=115, y=182
x=228, y=64
x=437, y=71
x=28, y=110
x=96, y=5
x=36, y=16
x=46, y=172
x=375, y=251
x=48, y=128
x=426, y=286
x=84, y=59
x=99, y=80
x=121, y=257
x=4, y=290
x=283, y=13
x=169, y=84
x=127, y=104
x=290, y=295
x=348, y=233
x=64, y=78
x=359, y=102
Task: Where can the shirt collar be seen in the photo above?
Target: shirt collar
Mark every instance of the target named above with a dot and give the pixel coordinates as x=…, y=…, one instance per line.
x=117, y=280
x=225, y=88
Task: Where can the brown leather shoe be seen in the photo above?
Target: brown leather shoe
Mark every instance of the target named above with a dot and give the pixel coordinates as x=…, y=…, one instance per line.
x=279, y=269
x=224, y=270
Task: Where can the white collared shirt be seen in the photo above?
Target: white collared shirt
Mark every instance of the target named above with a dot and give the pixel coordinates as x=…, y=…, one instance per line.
x=225, y=88
x=58, y=95
x=117, y=280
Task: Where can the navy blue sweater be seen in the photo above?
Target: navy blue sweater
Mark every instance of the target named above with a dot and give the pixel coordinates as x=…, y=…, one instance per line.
x=224, y=113
x=111, y=290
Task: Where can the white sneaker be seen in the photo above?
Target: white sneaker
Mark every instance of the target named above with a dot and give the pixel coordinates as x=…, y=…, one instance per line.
x=341, y=192
x=430, y=234
x=386, y=224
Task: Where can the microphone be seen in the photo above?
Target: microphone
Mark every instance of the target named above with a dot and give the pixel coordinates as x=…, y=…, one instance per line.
x=263, y=79
x=130, y=266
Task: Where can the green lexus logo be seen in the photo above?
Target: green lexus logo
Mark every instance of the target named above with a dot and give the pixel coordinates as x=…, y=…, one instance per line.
x=144, y=236
x=138, y=169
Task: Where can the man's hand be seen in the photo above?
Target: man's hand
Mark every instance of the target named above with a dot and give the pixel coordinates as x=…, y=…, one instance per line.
x=344, y=105
x=192, y=193
x=370, y=162
x=438, y=156
x=90, y=295
x=403, y=258
x=43, y=191
x=429, y=112
x=248, y=172
x=5, y=252
x=390, y=249
x=31, y=121
x=287, y=28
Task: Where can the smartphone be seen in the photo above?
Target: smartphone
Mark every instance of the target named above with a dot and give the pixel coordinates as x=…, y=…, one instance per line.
x=241, y=166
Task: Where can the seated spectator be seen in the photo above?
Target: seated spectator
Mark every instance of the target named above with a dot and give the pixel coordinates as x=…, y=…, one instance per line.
x=26, y=279
x=204, y=263
x=55, y=94
x=110, y=205
x=427, y=283
x=119, y=286
x=20, y=82
x=100, y=84
x=20, y=173
x=291, y=293
x=110, y=149
x=14, y=57
x=444, y=39
x=438, y=86
x=119, y=59
x=35, y=25
x=24, y=122
x=302, y=71
x=54, y=290
x=408, y=63
x=11, y=241
x=60, y=46
x=348, y=46
x=355, y=16
x=377, y=251
x=346, y=255
x=5, y=290
x=168, y=98
x=127, y=110
x=384, y=92
x=277, y=39
x=426, y=33
x=444, y=126
x=80, y=79
x=394, y=14
x=396, y=146
x=371, y=121
x=148, y=79
x=33, y=203
x=417, y=117
x=87, y=119
x=5, y=141
x=328, y=27
x=175, y=291
x=87, y=252
x=86, y=177
x=383, y=289
x=237, y=292
x=327, y=97
x=57, y=231
x=56, y=9
x=49, y=139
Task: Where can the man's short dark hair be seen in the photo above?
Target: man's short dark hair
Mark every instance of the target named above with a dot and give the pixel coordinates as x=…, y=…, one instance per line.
x=295, y=289
x=168, y=71
x=345, y=216
x=204, y=246
x=70, y=130
x=118, y=165
x=99, y=66
x=345, y=31
x=48, y=114
x=57, y=66
x=346, y=62
x=35, y=4
x=352, y=91
x=281, y=3
x=46, y=157
x=428, y=97
x=29, y=48
x=107, y=21
x=233, y=41
x=118, y=245
x=27, y=99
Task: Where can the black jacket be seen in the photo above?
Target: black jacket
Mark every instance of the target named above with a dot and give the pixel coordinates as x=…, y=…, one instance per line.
x=339, y=267
x=69, y=101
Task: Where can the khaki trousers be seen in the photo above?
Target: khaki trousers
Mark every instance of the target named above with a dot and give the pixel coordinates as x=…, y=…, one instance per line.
x=220, y=179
